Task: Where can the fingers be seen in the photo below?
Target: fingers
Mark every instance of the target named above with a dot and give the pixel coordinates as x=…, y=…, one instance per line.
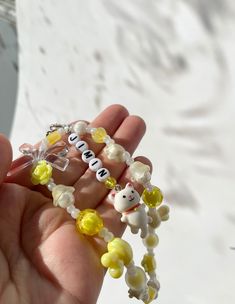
x=90, y=192
x=109, y=214
x=5, y=157
x=110, y=119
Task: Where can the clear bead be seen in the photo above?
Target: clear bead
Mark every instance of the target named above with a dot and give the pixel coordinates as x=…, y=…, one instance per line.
x=75, y=212
x=90, y=130
x=118, y=188
x=70, y=209
x=108, y=140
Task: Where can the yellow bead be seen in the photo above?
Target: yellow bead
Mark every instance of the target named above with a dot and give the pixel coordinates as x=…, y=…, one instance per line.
x=89, y=222
x=148, y=262
x=151, y=241
x=119, y=254
x=153, y=198
x=42, y=173
x=110, y=182
x=99, y=135
x=53, y=137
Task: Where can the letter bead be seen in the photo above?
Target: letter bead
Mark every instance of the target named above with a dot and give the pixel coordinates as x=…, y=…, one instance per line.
x=102, y=174
x=81, y=146
x=73, y=139
x=88, y=155
x=95, y=164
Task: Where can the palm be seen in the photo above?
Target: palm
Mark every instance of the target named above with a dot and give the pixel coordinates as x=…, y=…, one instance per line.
x=42, y=257
x=39, y=244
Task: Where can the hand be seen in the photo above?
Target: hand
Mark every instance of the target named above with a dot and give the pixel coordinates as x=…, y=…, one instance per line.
x=42, y=257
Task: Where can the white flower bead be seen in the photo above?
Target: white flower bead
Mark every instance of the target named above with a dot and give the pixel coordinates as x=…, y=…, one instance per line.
x=140, y=172
x=80, y=127
x=73, y=139
x=95, y=164
x=102, y=174
x=115, y=152
x=63, y=196
x=81, y=146
x=88, y=155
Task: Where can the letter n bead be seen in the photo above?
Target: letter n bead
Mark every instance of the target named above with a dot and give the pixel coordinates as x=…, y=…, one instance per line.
x=102, y=174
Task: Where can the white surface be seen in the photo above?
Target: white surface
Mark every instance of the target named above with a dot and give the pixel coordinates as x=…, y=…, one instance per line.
x=172, y=62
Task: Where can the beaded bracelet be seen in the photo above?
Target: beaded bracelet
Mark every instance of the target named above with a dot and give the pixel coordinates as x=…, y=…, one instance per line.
x=52, y=153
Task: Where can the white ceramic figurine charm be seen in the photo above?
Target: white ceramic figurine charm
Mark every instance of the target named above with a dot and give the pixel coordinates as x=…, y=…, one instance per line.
x=127, y=202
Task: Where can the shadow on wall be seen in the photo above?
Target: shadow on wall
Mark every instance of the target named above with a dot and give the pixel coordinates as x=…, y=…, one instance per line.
x=8, y=75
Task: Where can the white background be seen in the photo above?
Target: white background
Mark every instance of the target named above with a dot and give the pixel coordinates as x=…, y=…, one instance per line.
x=171, y=62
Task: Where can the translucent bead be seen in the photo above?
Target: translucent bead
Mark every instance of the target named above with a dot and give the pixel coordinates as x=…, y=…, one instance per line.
x=149, y=263
x=51, y=185
x=110, y=182
x=70, y=209
x=129, y=160
x=99, y=135
x=108, y=237
x=75, y=213
x=115, y=152
x=89, y=222
x=53, y=137
x=80, y=127
x=151, y=241
x=153, y=198
x=108, y=140
x=63, y=196
x=152, y=294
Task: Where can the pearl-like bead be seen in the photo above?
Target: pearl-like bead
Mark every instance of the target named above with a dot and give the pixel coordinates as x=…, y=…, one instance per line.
x=102, y=174
x=81, y=146
x=80, y=127
x=95, y=164
x=73, y=139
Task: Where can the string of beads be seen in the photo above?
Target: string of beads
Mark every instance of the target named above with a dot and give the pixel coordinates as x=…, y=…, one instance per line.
x=126, y=201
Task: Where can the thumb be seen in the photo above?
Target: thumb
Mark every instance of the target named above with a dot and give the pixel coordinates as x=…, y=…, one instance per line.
x=5, y=157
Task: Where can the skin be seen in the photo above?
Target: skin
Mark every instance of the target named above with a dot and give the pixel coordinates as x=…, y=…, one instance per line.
x=43, y=259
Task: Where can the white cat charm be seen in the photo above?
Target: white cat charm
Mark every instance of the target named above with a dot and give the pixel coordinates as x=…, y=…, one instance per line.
x=127, y=202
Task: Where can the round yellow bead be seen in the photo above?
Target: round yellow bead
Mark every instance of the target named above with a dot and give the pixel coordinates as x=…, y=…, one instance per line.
x=151, y=241
x=110, y=182
x=89, y=222
x=153, y=198
x=149, y=263
x=42, y=173
x=99, y=135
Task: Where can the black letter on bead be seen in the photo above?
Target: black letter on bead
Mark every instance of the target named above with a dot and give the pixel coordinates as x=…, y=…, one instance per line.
x=73, y=138
x=102, y=172
x=88, y=154
x=95, y=162
x=82, y=144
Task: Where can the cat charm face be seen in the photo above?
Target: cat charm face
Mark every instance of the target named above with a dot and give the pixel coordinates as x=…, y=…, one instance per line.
x=126, y=199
